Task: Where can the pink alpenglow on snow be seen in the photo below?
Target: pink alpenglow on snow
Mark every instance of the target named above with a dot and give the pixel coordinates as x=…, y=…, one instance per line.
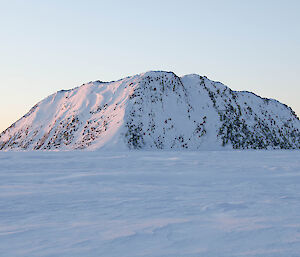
x=154, y=110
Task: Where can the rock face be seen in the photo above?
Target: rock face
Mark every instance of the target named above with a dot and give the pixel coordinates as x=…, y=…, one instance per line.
x=154, y=110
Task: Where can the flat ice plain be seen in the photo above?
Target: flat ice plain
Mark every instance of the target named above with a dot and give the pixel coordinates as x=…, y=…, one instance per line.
x=181, y=204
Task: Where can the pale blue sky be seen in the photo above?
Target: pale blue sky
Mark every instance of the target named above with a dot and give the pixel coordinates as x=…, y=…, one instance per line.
x=50, y=45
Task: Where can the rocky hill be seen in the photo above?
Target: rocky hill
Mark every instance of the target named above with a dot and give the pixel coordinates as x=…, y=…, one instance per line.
x=154, y=110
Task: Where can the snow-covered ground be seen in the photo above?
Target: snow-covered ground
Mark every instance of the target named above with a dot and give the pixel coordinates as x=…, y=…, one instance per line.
x=226, y=203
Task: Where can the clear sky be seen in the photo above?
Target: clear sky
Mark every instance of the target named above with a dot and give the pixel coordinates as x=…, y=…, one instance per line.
x=48, y=45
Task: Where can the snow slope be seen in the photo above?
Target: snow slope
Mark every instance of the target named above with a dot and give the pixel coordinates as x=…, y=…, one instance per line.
x=150, y=204
x=154, y=110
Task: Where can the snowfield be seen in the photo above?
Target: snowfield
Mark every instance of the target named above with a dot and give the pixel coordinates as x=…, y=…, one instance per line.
x=181, y=204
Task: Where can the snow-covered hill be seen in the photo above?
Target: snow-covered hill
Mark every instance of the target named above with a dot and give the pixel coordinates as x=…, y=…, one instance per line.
x=154, y=110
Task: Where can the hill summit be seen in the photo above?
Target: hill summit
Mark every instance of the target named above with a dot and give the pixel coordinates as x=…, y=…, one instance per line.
x=154, y=110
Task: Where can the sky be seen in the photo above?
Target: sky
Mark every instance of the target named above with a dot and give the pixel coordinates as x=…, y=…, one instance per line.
x=49, y=45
